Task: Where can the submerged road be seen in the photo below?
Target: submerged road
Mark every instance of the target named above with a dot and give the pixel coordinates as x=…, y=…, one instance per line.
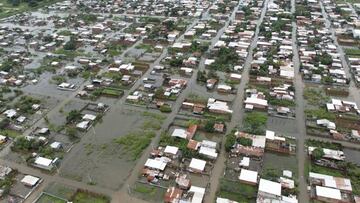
x=238, y=112
x=301, y=155
x=353, y=90
x=122, y=195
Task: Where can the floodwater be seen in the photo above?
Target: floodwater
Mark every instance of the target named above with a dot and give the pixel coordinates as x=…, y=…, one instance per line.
x=98, y=159
x=280, y=162
x=352, y=155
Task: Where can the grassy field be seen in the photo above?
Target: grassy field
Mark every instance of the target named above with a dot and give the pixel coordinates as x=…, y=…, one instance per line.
x=83, y=197
x=148, y=192
x=10, y=133
x=353, y=52
x=45, y=198
x=7, y=9
x=237, y=191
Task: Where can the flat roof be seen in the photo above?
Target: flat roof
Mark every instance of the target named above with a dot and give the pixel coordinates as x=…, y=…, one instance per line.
x=248, y=175
x=30, y=180
x=43, y=161
x=327, y=192
x=171, y=149
x=270, y=187
x=156, y=164
x=197, y=164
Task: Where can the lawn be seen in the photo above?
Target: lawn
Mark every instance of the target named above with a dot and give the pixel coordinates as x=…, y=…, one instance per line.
x=45, y=198
x=236, y=191
x=83, y=197
x=113, y=92
x=352, y=52
x=148, y=48
x=148, y=192
x=10, y=133
x=71, y=54
x=324, y=170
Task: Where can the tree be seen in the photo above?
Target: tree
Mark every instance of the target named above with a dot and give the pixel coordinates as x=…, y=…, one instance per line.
x=255, y=122
x=209, y=126
x=212, y=74
x=165, y=108
x=201, y=76
x=48, y=39
x=244, y=141
x=326, y=59
x=14, y=2
x=71, y=44
x=177, y=62
x=229, y=142
x=73, y=116
x=159, y=92
x=71, y=132
x=4, y=123
x=317, y=153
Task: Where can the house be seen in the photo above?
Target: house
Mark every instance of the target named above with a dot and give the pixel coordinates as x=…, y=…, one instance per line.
x=268, y=191
x=193, y=144
x=171, y=151
x=89, y=117
x=248, y=177
x=196, y=194
x=287, y=183
x=10, y=113
x=197, y=165
x=83, y=125
x=173, y=195
x=343, y=184
x=326, y=194
x=183, y=182
x=217, y=106
x=56, y=145
x=30, y=181
x=247, y=151
x=66, y=86
x=224, y=200
x=330, y=153
x=278, y=143
x=326, y=123
x=210, y=83
x=3, y=139
x=235, y=77
x=208, y=149
x=180, y=133
x=224, y=88
x=157, y=164
x=44, y=163
x=4, y=171
x=219, y=127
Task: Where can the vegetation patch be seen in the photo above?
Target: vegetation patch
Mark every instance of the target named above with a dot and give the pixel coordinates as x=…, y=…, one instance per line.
x=315, y=97
x=255, y=123
x=237, y=191
x=320, y=113
x=85, y=197
x=135, y=142
x=352, y=52
x=46, y=198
